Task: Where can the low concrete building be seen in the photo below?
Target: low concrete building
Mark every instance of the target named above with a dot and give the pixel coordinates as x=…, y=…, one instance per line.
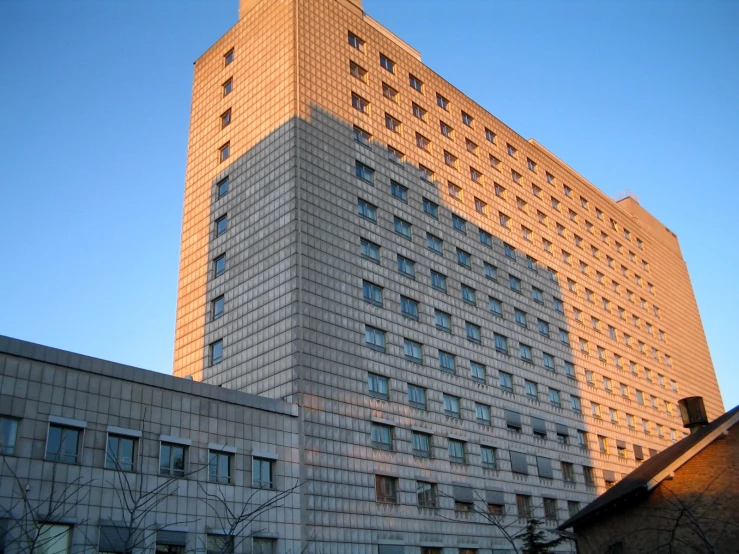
x=683, y=500
x=99, y=456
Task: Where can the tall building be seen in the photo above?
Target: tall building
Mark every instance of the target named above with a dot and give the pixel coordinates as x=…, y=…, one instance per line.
x=462, y=318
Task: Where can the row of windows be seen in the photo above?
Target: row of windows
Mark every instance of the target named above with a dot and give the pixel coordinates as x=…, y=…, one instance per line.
x=427, y=495
x=64, y=444
x=435, y=244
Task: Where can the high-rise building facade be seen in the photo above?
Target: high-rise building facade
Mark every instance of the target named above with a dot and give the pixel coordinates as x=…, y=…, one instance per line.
x=464, y=320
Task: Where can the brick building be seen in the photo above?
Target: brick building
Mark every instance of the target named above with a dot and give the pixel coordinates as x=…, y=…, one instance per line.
x=458, y=313
x=683, y=500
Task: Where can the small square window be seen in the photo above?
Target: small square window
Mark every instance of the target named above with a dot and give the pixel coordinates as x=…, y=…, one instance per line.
x=387, y=63
x=402, y=228
x=392, y=123
x=486, y=239
x=356, y=42
x=495, y=162
x=531, y=164
x=359, y=103
x=367, y=210
x=467, y=119
x=426, y=173
x=450, y=159
x=419, y=112
x=446, y=130
x=389, y=92
x=415, y=83
x=455, y=191
x=511, y=150
x=224, y=152
x=515, y=283
x=358, y=71
x=442, y=102
x=228, y=57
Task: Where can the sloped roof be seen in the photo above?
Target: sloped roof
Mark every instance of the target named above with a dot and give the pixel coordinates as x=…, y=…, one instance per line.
x=649, y=474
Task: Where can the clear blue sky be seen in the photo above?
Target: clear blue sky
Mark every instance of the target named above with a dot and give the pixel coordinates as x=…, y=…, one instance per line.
x=94, y=107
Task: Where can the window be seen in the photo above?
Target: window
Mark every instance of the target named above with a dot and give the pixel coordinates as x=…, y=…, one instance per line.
x=378, y=386
x=364, y=172
x=527, y=234
x=225, y=118
x=467, y=119
x=402, y=228
x=481, y=206
x=438, y=281
x=446, y=362
x=358, y=71
x=471, y=146
x=495, y=162
x=537, y=295
x=374, y=338
x=409, y=308
x=224, y=152
x=361, y=136
x=419, y=112
x=486, y=239
x=217, y=308
x=389, y=92
x=413, y=351
x=406, y=267
x=172, y=459
x=421, y=444
x=523, y=505
x=451, y=405
x=119, y=452
x=51, y=538
x=516, y=176
x=555, y=398
x=474, y=333
x=219, y=466
x=488, y=457
x=446, y=130
x=417, y=397
x=548, y=361
x=228, y=87
x=459, y=224
x=367, y=210
x=504, y=220
x=431, y=208
x=387, y=63
x=386, y=489
x=532, y=390
x=464, y=259
x=442, y=102
x=576, y=404
x=443, y=321
x=264, y=546
x=456, y=451
x=564, y=337
x=8, y=436
x=589, y=475
x=221, y=225
x=422, y=142
x=550, y=509
x=399, y=191
x=382, y=436
x=520, y=317
x=415, y=83
x=216, y=352
x=569, y=369
x=395, y=155
x=218, y=544
x=450, y=159
x=370, y=250
x=392, y=123
x=496, y=307
x=568, y=472
x=455, y=191
x=531, y=164
x=359, y=103
x=501, y=343
x=477, y=372
x=505, y=380
x=222, y=188
x=482, y=412
x=425, y=494
x=356, y=42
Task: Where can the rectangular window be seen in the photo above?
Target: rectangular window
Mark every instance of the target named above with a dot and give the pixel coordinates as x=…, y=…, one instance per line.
x=392, y=123
x=446, y=362
x=509, y=251
x=415, y=83
x=225, y=118
x=262, y=473
x=422, y=142
x=51, y=539
x=221, y=225
x=532, y=390
x=474, y=333
x=406, y=267
x=374, y=338
x=489, y=457
x=218, y=544
x=224, y=152
x=431, y=208
x=386, y=489
x=438, y=281
x=548, y=361
x=216, y=352
x=446, y=130
x=413, y=351
x=426, y=495
x=537, y=295
x=220, y=465
x=367, y=210
x=8, y=435
x=228, y=87
x=402, y=228
x=119, y=452
x=172, y=459
x=455, y=191
x=482, y=412
x=477, y=372
x=491, y=272
x=467, y=119
x=464, y=259
x=382, y=436
x=442, y=102
x=417, y=397
x=451, y=405
x=264, y=546
x=409, y=308
x=421, y=444
x=395, y=155
x=501, y=343
x=486, y=239
x=370, y=250
x=459, y=224
x=356, y=42
x=387, y=63
x=496, y=306
x=222, y=188
x=456, y=451
x=520, y=317
x=450, y=159
x=365, y=172
x=506, y=381
x=569, y=369
x=378, y=386
x=576, y=404
x=372, y=293
x=358, y=71
x=550, y=509
x=515, y=283
x=468, y=295
x=360, y=104
x=63, y=444
x=554, y=398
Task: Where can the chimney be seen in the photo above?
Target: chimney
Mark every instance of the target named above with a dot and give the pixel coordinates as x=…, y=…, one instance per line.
x=693, y=413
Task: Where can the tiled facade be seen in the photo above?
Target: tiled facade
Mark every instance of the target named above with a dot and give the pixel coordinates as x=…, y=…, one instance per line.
x=95, y=405
x=312, y=313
